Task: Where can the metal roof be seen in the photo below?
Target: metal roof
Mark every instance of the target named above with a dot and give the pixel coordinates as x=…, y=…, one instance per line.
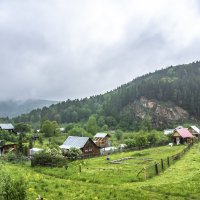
x=184, y=133
x=195, y=129
x=101, y=135
x=74, y=141
x=6, y=126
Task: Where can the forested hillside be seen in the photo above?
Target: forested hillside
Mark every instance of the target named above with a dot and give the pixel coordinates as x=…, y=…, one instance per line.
x=177, y=86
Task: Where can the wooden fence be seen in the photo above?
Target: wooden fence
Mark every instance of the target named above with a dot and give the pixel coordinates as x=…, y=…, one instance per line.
x=160, y=166
x=149, y=171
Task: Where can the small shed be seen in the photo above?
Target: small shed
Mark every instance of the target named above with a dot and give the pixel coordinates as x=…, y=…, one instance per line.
x=195, y=131
x=102, y=140
x=85, y=144
x=182, y=135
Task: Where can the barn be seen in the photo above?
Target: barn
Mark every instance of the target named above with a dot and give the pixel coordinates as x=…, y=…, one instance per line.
x=85, y=144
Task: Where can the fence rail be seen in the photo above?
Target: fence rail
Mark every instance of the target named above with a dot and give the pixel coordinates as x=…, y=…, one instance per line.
x=160, y=166
x=154, y=169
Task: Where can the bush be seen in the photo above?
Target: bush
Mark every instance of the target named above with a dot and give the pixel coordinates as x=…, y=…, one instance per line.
x=156, y=138
x=119, y=134
x=140, y=140
x=49, y=157
x=5, y=135
x=12, y=189
x=130, y=143
x=72, y=153
x=13, y=157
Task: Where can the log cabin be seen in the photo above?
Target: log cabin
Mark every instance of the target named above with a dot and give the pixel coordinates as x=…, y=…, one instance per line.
x=102, y=140
x=85, y=144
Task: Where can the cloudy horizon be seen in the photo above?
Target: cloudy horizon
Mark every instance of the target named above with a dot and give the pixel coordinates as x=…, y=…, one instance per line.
x=61, y=49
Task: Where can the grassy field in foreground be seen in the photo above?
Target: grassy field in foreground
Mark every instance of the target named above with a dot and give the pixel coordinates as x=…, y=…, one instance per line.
x=180, y=181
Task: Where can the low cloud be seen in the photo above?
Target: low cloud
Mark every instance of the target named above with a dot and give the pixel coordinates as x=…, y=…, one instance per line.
x=60, y=49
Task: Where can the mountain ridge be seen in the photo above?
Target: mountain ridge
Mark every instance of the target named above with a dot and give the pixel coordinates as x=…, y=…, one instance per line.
x=177, y=84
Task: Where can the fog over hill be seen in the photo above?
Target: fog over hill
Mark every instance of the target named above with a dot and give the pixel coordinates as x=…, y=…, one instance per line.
x=13, y=108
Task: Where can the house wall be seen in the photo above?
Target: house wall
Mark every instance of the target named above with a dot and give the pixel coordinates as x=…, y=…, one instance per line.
x=8, y=147
x=193, y=132
x=102, y=142
x=90, y=148
x=176, y=134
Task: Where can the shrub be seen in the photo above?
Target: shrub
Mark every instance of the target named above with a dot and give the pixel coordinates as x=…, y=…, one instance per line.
x=13, y=157
x=12, y=189
x=140, y=140
x=49, y=157
x=119, y=134
x=130, y=143
x=5, y=135
x=72, y=153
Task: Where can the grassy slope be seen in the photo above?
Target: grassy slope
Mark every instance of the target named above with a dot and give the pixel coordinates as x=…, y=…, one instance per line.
x=180, y=181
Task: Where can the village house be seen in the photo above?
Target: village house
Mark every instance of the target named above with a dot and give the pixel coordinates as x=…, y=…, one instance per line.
x=5, y=148
x=102, y=140
x=85, y=144
x=7, y=127
x=181, y=136
x=195, y=131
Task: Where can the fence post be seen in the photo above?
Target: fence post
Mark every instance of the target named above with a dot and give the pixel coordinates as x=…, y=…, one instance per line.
x=168, y=161
x=156, y=168
x=145, y=173
x=80, y=168
x=162, y=164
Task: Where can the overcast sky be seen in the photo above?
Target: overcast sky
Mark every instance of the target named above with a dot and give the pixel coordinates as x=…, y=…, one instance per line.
x=60, y=49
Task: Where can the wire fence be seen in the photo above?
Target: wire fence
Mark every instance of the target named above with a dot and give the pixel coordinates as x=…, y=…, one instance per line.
x=154, y=168
x=114, y=150
x=159, y=166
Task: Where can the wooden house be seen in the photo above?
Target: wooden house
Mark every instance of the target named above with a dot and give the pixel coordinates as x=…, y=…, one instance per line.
x=102, y=140
x=7, y=127
x=5, y=148
x=85, y=144
x=195, y=131
x=182, y=135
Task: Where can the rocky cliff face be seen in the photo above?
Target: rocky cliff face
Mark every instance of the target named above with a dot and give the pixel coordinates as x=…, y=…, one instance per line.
x=159, y=112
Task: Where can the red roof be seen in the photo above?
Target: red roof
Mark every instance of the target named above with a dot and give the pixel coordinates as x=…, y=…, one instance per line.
x=184, y=133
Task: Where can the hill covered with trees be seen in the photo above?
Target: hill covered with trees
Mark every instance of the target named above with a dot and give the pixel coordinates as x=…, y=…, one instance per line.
x=158, y=100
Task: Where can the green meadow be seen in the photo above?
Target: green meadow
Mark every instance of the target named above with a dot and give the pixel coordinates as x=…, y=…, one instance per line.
x=100, y=179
